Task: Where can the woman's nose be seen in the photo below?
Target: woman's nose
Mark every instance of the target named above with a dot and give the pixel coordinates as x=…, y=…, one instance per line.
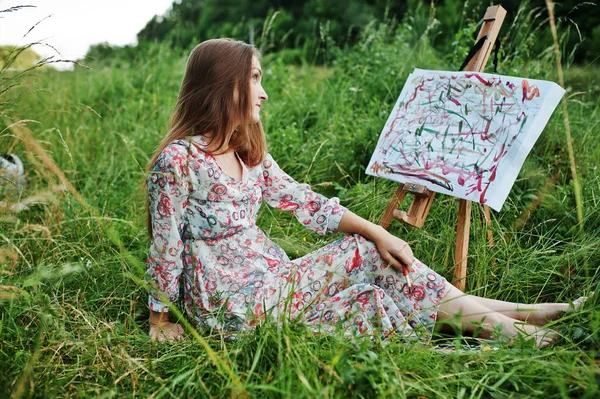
x=263, y=95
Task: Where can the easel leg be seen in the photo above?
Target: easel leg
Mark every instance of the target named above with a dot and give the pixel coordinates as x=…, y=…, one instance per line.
x=462, y=244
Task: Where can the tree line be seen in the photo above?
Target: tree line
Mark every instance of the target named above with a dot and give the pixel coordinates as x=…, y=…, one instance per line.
x=302, y=28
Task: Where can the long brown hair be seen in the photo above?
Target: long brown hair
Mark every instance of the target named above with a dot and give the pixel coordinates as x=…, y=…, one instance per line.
x=214, y=100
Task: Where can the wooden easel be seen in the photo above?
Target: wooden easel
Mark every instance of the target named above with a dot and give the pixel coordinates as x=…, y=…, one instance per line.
x=423, y=197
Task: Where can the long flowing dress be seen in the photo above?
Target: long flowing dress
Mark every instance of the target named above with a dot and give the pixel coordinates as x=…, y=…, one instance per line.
x=206, y=245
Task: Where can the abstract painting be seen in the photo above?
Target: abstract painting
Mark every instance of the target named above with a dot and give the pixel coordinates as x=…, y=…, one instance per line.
x=464, y=134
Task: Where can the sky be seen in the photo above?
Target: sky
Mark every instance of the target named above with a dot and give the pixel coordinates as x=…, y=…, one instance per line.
x=71, y=26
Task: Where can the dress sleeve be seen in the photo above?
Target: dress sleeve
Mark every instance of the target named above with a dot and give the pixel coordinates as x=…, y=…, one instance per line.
x=313, y=210
x=168, y=187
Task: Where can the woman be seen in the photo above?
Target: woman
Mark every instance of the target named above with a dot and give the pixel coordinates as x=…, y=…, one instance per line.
x=206, y=184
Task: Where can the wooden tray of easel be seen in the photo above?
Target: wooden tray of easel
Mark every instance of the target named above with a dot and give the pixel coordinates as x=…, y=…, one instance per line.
x=423, y=197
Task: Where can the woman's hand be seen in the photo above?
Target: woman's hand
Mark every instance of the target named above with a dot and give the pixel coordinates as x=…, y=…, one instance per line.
x=394, y=251
x=161, y=329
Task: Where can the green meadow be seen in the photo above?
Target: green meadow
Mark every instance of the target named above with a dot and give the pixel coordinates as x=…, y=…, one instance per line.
x=73, y=315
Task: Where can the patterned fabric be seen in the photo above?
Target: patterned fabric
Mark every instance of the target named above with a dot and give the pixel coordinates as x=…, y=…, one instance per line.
x=206, y=243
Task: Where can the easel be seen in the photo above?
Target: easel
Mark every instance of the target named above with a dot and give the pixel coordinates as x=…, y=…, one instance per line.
x=423, y=197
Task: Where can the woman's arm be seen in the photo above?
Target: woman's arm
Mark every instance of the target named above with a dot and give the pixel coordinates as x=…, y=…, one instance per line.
x=391, y=248
x=327, y=215
x=168, y=191
x=313, y=210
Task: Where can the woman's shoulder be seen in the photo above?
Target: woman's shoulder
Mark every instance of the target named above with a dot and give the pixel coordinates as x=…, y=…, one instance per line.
x=199, y=142
x=173, y=157
x=266, y=164
x=268, y=160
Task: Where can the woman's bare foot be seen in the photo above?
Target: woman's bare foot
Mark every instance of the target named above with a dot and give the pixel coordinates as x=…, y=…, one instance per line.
x=543, y=336
x=547, y=312
x=581, y=300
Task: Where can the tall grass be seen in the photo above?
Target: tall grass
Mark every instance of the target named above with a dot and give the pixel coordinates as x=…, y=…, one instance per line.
x=565, y=109
x=72, y=297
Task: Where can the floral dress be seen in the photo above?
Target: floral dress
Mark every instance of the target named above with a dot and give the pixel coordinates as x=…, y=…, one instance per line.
x=207, y=248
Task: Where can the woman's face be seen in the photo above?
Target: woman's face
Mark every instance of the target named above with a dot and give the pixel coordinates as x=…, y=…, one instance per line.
x=257, y=93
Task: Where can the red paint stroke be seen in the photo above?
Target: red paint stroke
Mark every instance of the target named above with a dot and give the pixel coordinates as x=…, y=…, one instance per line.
x=484, y=135
x=500, y=154
x=529, y=92
x=419, y=87
x=508, y=94
x=479, y=78
x=492, y=177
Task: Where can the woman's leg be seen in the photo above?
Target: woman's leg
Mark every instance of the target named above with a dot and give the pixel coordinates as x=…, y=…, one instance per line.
x=538, y=314
x=473, y=315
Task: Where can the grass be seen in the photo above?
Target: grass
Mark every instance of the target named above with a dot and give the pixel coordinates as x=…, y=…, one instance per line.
x=72, y=296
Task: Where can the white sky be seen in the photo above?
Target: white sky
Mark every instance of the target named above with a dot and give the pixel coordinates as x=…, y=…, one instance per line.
x=74, y=25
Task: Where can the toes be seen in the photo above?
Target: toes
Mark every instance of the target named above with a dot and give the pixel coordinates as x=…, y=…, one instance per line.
x=545, y=338
x=542, y=337
x=581, y=300
x=577, y=302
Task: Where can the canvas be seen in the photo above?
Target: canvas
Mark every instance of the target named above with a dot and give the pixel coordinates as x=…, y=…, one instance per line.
x=464, y=134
